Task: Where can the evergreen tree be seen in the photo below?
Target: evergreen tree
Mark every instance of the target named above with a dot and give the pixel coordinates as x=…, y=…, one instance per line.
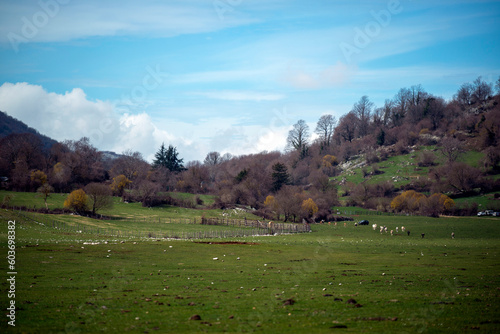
x=280, y=176
x=168, y=158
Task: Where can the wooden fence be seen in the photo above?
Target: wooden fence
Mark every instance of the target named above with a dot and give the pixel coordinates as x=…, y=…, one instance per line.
x=239, y=228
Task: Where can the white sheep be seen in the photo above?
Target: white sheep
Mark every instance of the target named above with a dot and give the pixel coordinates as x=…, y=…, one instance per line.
x=402, y=228
x=397, y=229
x=374, y=226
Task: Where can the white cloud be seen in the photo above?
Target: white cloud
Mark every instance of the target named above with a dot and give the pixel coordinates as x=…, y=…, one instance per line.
x=71, y=116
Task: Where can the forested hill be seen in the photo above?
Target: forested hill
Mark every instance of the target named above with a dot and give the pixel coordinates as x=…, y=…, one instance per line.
x=10, y=125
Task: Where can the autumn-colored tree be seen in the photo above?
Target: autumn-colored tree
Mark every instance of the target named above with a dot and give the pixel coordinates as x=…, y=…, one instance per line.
x=60, y=176
x=272, y=205
x=309, y=207
x=38, y=178
x=408, y=201
x=119, y=184
x=77, y=200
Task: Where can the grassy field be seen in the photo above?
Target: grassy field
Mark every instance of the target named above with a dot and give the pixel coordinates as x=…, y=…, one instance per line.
x=404, y=169
x=335, y=279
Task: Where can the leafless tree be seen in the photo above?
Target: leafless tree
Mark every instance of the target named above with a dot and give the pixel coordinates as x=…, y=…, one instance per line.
x=298, y=137
x=464, y=95
x=435, y=110
x=213, y=159
x=363, y=110
x=482, y=91
x=401, y=106
x=99, y=196
x=348, y=126
x=132, y=165
x=325, y=127
x=145, y=192
x=451, y=148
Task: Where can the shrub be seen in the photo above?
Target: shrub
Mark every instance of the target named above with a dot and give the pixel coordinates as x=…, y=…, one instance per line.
x=77, y=201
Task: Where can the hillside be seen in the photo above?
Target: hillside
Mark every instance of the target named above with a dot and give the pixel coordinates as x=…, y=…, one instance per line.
x=10, y=125
x=416, y=154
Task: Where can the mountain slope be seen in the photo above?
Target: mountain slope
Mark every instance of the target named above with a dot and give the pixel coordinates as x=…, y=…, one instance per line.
x=10, y=125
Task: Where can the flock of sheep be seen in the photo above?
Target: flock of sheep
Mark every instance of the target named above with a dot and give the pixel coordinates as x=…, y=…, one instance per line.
x=403, y=229
x=384, y=229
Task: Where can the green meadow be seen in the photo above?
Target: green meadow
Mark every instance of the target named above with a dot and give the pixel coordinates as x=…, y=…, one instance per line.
x=336, y=278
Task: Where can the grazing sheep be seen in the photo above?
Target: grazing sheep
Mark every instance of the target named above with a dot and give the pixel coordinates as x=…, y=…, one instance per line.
x=374, y=226
x=397, y=229
x=385, y=229
x=381, y=229
x=392, y=232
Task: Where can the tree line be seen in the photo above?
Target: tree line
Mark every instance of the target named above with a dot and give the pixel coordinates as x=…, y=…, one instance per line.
x=294, y=184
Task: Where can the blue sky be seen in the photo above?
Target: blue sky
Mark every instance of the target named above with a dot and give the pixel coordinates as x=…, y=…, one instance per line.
x=228, y=75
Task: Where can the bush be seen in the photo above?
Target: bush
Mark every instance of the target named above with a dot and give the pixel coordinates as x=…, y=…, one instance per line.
x=77, y=201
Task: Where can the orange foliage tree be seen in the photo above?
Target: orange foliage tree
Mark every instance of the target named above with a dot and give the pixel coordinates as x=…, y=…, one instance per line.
x=309, y=207
x=119, y=184
x=77, y=201
x=412, y=201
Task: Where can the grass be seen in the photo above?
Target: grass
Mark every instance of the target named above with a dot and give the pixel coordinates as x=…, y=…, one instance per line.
x=290, y=283
x=130, y=210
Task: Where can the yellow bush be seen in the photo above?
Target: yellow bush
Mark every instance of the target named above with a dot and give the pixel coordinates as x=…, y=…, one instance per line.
x=309, y=207
x=77, y=201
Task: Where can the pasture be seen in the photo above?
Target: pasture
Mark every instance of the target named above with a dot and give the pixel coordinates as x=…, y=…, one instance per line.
x=334, y=279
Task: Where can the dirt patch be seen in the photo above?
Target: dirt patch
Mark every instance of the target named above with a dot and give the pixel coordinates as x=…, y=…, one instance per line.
x=226, y=243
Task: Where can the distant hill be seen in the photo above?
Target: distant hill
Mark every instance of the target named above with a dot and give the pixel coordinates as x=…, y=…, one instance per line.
x=10, y=125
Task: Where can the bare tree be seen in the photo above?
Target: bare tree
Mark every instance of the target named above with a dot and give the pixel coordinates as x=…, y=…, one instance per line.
x=99, y=196
x=348, y=126
x=464, y=95
x=213, y=159
x=435, y=110
x=298, y=137
x=84, y=161
x=401, y=106
x=145, y=192
x=482, y=90
x=132, y=165
x=363, y=109
x=451, y=148
x=325, y=127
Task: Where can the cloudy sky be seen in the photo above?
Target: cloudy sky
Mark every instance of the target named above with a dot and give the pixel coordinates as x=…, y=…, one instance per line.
x=228, y=75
